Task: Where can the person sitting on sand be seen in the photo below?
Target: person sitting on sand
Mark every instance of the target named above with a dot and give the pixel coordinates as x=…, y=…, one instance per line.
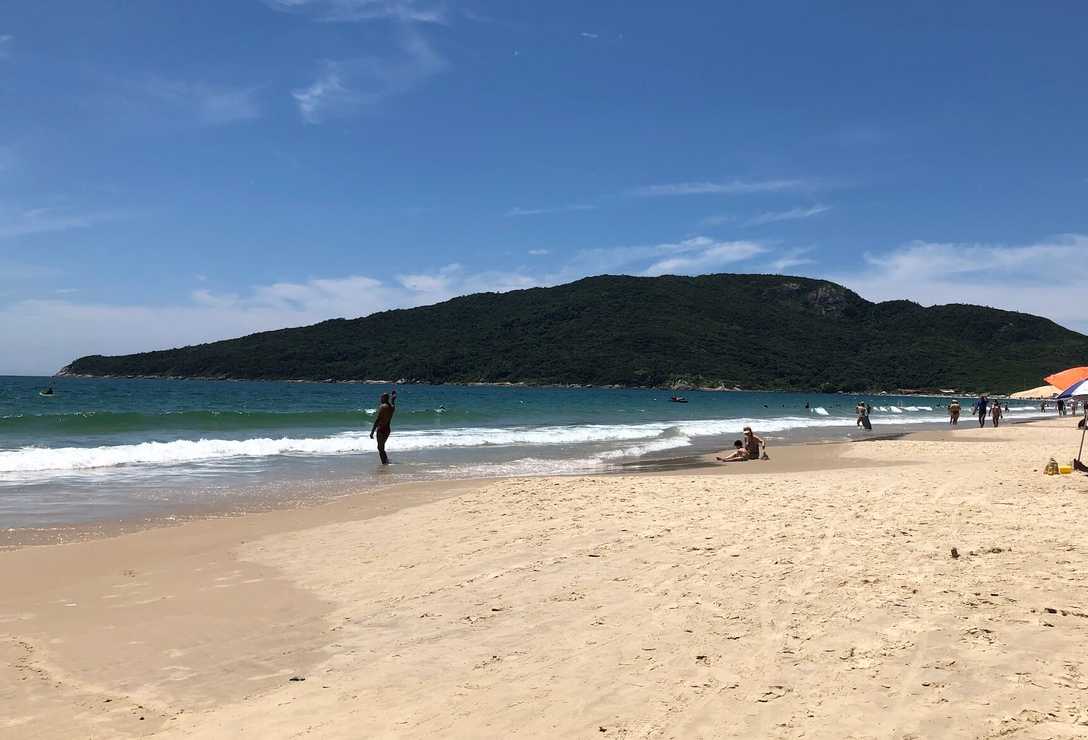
x=752, y=445
x=954, y=413
x=383, y=423
x=739, y=454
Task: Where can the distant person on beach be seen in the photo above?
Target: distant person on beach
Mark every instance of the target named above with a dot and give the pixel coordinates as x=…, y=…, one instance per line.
x=954, y=413
x=863, y=410
x=387, y=406
x=996, y=413
x=739, y=454
x=1061, y=407
x=755, y=445
x=981, y=406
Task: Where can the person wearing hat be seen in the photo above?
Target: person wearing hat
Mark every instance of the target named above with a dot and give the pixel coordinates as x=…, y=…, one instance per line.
x=752, y=445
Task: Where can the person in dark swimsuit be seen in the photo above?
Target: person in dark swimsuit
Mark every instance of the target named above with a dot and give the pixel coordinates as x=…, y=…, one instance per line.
x=981, y=405
x=383, y=423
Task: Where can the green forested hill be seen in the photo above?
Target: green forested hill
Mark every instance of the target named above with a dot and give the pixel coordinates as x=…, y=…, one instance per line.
x=752, y=331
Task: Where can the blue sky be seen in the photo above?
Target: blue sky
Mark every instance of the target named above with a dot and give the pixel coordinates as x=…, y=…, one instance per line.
x=177, y=172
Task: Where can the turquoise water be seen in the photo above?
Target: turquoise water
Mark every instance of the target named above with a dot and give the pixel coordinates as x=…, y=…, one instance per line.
x=104, y=449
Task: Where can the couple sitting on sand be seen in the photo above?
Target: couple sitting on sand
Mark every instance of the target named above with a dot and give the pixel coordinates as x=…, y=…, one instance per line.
x=749, y=449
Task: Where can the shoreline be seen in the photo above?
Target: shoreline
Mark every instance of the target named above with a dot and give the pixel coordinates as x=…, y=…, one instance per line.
x=813, y=595
x=796, y=457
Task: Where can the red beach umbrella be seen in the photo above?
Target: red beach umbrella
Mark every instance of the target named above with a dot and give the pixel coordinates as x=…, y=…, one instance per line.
x=1066, y=378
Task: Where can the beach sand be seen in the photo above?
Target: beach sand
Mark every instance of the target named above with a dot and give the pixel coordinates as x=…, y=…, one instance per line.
x=814, y=595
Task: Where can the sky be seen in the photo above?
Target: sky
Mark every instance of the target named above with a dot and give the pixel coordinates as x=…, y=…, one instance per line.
x=173, y=173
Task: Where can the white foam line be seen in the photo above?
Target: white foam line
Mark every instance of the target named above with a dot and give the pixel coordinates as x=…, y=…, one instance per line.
x=649, y=437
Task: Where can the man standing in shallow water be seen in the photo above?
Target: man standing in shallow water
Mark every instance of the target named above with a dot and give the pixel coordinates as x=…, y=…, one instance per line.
x=387, y=406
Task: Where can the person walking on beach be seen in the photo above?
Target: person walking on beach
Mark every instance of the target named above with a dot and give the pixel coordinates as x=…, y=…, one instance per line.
x=996, y=413
x=981, y=405
x=954, y=413
x=387, y=406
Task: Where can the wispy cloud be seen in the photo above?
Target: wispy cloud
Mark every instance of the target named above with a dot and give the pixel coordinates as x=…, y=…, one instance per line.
x=1018, y=277
x=539, y=252
x=514, y=212
x=79, y=328
x=1015, y=277
x=704, y=255
x=172, y=100
x=794, y=214
x=356, y=11
x=588, y=35
x=347, y=86
x=6, y=40
x=723, y=218
x=730, y=187
x=697, y=254
x=17, y=222
x=790, y=258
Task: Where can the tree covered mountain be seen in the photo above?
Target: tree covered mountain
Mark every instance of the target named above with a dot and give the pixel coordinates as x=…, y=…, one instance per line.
x=751, y=331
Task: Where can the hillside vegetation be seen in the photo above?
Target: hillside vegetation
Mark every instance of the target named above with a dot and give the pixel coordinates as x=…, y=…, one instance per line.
x=751, y=331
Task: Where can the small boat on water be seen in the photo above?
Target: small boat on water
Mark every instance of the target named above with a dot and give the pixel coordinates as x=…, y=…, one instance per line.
x=678, y=399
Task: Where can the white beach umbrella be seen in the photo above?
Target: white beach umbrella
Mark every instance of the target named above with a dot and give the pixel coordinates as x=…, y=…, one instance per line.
x=1077, y=390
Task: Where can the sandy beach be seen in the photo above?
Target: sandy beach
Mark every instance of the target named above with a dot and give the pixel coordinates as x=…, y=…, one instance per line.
x=814, y=595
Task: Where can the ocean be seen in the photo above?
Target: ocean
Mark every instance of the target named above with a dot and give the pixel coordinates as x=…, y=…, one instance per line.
x=103, y=450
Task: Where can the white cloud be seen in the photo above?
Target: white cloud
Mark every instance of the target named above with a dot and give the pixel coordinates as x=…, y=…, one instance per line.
x=39, y=336
x=5, y=45
x=199, y=103
x=794, y=214
x=697, y=254
x=731, y=187
x=17, y=222
x=327, y=94
x=1032, y=278
x=344, y=87
x=790, y=258
x=42, y=335
x=588, y=35
x=409, y=11
x=514, y=212
x=705, y=258
x=539, y=252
